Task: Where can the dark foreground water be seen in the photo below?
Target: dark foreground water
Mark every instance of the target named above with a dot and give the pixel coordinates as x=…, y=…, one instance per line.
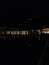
x=23, y=50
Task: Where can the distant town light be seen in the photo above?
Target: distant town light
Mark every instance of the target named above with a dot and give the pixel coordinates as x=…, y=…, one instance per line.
x=32, y=30
x=24, y=32
x=7, y=32
x=13, y=32
x=47, y=32
x=44, y=32
x=18, y=32
x=45, y=29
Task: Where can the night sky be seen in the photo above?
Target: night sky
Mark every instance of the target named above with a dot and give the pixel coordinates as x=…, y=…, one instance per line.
x=13, y=16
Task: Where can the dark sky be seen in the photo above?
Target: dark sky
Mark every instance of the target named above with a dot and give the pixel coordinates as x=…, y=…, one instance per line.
x=38, y=8
x=44, y=8
x=17, y=15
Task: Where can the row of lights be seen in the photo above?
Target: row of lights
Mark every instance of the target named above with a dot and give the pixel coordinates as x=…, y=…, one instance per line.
x=45, y=31
x=17, y=32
